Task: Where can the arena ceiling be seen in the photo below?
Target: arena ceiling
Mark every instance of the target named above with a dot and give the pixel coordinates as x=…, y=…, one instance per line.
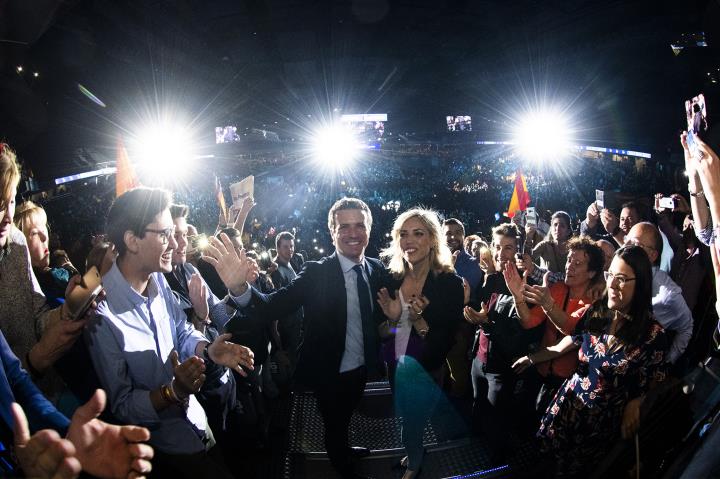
x=257, y=62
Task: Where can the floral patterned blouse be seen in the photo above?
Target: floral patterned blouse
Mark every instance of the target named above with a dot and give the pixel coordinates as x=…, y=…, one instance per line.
x=583, y=420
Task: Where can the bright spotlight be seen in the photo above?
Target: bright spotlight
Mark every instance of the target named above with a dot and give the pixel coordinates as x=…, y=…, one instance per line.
x=164, y=151
x=335, y=147
x=542, y=135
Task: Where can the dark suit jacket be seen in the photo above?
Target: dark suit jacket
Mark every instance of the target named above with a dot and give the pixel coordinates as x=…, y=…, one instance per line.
x=16, y=386
x=444, y=313
x=320, y=290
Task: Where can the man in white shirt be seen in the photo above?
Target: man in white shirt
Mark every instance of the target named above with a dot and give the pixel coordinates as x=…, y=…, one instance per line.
x=668, y=304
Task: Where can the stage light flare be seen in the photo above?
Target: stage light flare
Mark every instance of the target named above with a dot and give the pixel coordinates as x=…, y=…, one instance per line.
x=335, y=147
x=90, y=96
x=542, y=135
x=165, y=152
x=203, y=243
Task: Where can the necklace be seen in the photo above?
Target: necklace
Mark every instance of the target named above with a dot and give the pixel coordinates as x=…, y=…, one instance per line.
x=412, y=287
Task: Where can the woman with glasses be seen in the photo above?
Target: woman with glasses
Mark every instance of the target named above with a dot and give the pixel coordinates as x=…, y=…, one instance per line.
x=422, y=316
x=622, y=354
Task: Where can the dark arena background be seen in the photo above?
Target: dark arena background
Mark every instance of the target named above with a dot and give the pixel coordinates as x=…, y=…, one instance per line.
x=448, y=105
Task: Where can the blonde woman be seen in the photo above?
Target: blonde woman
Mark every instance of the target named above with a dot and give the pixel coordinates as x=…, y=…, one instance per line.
x=423, y=312
x=31, y=220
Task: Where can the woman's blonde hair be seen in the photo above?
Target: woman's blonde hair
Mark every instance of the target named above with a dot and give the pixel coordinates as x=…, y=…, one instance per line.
x=440, y=254
x=9, y=172
x=26, y=213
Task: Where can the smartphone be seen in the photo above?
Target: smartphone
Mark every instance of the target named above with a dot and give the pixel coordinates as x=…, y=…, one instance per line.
x=81, y=297
x=668, y=203
x=697, y=123
x=600, y=199
x=531, y=216
x=607, y=200
x=520, y=246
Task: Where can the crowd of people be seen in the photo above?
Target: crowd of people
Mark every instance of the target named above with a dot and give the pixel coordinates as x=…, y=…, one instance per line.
x=562, y=329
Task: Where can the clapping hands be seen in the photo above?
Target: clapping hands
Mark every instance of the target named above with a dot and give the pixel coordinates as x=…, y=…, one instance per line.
x=392, y=308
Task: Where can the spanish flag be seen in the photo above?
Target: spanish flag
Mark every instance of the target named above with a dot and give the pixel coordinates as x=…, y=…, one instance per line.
x=220, y=197
x=125, y=178
x=520, y=197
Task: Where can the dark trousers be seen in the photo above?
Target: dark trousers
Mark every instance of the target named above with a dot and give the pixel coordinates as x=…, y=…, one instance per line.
x=336, y=401
x=204, y=464
x=492, y=406
x=218, y=400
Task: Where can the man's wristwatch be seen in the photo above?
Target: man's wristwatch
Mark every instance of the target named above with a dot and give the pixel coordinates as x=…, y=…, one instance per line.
x=206, y=352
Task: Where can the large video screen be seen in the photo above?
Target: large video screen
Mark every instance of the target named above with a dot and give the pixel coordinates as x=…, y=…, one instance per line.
x=226, y=134
x=459, y=123
x=369, y=126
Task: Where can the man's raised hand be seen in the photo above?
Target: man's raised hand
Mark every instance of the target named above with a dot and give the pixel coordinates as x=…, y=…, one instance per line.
x=232, y=266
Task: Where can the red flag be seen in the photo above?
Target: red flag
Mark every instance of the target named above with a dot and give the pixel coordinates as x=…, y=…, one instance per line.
x=125, y=178
x=520, y=197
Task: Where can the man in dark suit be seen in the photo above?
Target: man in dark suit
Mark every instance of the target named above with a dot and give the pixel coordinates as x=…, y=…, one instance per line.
x=289, y=327
x=340, y=347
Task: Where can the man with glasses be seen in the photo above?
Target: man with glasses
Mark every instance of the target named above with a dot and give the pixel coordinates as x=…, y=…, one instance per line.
x=146, y=354
x=669, y=307
x=209, y=315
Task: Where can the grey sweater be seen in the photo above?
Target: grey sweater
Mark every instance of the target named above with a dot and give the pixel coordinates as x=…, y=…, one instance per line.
x=23, y=310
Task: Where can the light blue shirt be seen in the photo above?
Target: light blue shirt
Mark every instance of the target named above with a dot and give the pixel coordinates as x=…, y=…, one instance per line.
x=354, y=354
x=219, y=311
x=667, y=254
x=671, y=312
x=130, y=341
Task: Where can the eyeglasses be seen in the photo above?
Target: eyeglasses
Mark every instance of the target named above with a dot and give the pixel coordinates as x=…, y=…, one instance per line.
x=621, y=280
x=636, y=242
x=165, y=234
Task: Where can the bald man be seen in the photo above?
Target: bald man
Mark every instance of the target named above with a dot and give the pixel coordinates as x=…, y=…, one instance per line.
x=608, y=250
x=669, y=307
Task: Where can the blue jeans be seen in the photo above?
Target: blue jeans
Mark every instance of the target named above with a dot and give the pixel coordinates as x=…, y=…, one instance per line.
x=416, y=396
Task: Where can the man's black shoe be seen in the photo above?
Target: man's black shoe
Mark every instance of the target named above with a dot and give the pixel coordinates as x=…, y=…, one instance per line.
x=359, y=452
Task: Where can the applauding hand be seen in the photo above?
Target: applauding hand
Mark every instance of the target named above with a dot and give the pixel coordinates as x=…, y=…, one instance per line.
x=45, y=454
x=540, y=294
x=231, y=355
x=514, y=282
x=106, y=450
x=416, y=306
x=476, y=317
x=198, y=297
x=189, y=375
x=392, y=308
